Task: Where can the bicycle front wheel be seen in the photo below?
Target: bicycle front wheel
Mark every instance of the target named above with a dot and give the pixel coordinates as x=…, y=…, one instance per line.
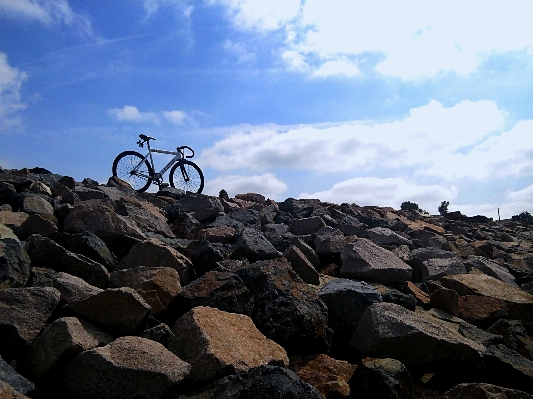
x=187, y=176
x=123, y=168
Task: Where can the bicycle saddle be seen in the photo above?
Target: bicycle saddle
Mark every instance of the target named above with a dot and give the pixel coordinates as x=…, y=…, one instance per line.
x=145, y=138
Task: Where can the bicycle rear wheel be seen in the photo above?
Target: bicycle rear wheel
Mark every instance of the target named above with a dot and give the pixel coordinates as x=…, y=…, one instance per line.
x=187, y=176
x=123, y=166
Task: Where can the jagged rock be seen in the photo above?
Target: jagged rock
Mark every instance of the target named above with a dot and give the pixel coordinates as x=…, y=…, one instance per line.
x=202, y=207
x=73, y=288
x=432, y=264
x=280, y=295
x=246, y=217
x=8, y=392
x=100, y=219
x=481, y=310
x=484, y=391
x=15, y=264
x=33, y=203
x=514, y=335
x=301, y=265
x=36, y=224
x=308, y=252
x=264, y=382
x=185, y=226
x=146, y=216
x=298, y=207
x=153, y=253
x=429, y=238
x=329, y=241
x=382, y=379
x=385, y=236
x=518, y=303
x=13, y=220
x=478, y=335
x=328, y=376
x=216, y=343
x=346, y=301
x=217, y=289
x=23, y=314
x=87, y=244
x=252, y=197
x=59, y=342
x=41, y=277
x=362, y=259
x=507, y=368
x=388, y=329
x=490, y=268
x=148, y=368
x=47, y=253
x=160, y=333
x=85, y=193
x=422, y=297
x=303, y=226
x=253, y=245
x=219, y=234
x=8, y=375
x=445, y=299
x=203, y=255
x=6, y=232
x=157, y=285
x=119, y=311
x=278, y=235
x=393, y=295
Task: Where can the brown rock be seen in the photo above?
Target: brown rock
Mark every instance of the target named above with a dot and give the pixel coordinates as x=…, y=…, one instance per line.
x=153, y=253
x=301, y=265
x=329, y=376
x=8, y=392
x=73, y=288
x=484, y=391
x=145, y=215
x=220, y=234
x=13, y=220
x=483, y=310
x=218, y=343
x=36, y=224
x=157, y=285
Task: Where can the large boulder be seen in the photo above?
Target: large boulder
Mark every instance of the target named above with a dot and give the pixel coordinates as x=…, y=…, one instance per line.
x=253, y=245
x=432, y=264
x=364, y=260
x=157, y=285
x=303, y=226
x=301, y=265
x=47, y=253
x=217, y=343
x=23, y=314
x=73, y=288
x=129, y=367
x=35, y=204
x=385, y=236
x=15, y=264
x=507, y=368
x=145, y=215
x=99, y=218
x=490, y=268
x=389, y=330
x=119, y=311
x=154, y=253
x=203, y=255
x=36, y=224
x=346, y=301
x=287, y=310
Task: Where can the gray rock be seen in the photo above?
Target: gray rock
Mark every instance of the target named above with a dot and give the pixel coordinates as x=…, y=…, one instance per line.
x=11, y=377
x=385, y=236
x=514, y=336
x=308, y=252
x=203, y=255
x=362, y=259
x=432, y=264
x=73, y=288
x=281, y=296
x=47, y=253
x=346, y=301
x=33, y=203
x=305, y=226
x=146, y=216
x=253, y=245
x=483, y=391
x=301, y=265
x=15, y=264
x=507, y=368
x=149, y=369
x=389, y=330
x=36, y=224
x=85, y=193
x=490, y=268
x=329, y=241
x=23, y=314
x=119, y=311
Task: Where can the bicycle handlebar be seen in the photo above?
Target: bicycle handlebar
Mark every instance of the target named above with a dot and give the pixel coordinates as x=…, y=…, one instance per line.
x=188, y=148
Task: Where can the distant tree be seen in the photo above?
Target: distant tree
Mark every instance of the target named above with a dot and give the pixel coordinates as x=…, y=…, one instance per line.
x=443, y=208
x=409, y=206
x=524, y=217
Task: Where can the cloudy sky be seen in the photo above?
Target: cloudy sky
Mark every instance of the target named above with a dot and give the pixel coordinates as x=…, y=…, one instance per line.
x=366, y=102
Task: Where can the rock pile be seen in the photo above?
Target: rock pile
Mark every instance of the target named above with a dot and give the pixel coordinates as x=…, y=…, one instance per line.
x=109, y=293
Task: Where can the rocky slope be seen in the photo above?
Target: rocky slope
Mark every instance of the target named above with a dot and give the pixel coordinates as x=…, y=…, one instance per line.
x=107, y=293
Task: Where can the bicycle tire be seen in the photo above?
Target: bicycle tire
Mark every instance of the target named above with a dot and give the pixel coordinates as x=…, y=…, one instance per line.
x=196, y=177
x=124, y=164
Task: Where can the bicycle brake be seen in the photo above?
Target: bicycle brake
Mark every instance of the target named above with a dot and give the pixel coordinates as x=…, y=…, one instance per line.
x=140, y=143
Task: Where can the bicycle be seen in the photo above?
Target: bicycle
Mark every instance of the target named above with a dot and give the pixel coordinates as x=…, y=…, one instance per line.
x=135, y=169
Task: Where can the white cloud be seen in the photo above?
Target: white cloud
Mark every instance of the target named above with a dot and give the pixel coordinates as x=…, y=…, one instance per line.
x=11, y=80
x=266, y=184
x=415, y=39
x=176, y=116
x=47, y=12
x=524, y=195
x=151, y=7
x=130, y=113
x=337, y=67
x=238, y=49
x=385, y=192
x=447, y=142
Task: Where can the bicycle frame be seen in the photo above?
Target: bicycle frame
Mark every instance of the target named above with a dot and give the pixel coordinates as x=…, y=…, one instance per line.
x=159, y=175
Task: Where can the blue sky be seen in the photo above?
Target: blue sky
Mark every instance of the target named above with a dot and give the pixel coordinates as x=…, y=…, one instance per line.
x=366, y=102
